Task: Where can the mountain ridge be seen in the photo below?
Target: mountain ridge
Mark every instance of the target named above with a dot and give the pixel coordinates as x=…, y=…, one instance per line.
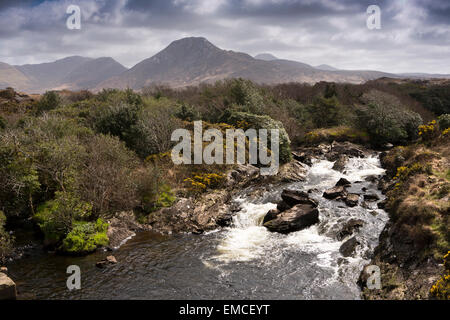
x=184, y=62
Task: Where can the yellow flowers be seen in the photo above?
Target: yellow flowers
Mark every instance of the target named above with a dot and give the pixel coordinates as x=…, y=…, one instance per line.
x=441, y=289
x=405, y=172
x=428, y=131
x=201, y=182
x=402, y=172
x=446, y=132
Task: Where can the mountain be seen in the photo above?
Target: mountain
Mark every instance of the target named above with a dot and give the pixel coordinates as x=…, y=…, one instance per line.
x=90, y=73
x=266, y=57
x=12, y=77
x=190, y=61
x=73, y=73
x=184, y=62
x=326, y=67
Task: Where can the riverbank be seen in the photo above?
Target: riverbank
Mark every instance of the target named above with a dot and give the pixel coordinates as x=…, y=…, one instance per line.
x=416, y=238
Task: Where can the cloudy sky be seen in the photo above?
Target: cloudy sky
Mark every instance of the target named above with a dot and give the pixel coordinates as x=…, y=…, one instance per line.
x=414, y=34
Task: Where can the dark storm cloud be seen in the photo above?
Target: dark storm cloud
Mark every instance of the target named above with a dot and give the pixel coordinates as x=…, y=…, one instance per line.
x=312, y=31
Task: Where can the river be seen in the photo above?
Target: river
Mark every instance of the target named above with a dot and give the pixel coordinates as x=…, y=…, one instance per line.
x=243, y=261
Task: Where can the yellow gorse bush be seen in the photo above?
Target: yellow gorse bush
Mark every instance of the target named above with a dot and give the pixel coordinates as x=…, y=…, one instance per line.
x=441, y=289
x=446, y=132
x=428, y=131
x=201, y=182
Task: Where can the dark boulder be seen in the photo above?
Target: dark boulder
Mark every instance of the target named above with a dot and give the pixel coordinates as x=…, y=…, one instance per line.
x=335, y=193
x=343, y=182
x=348, y=149
x=297, y=218
x=283, y=206
x=348, y=248
x=272, y=214
x=371, y=197
x=7, y=288
x=371, y=178
x=303, y=157
x=382, y=204
x=294, y=197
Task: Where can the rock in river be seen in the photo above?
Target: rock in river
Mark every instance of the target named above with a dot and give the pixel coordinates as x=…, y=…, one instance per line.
x=294, y=197
x=347, y=249
x=334, y=193
x=7, y=288
x=342, y=182
x=107, y=261
x=371, y=197
x=297, y=218
x=352, y=199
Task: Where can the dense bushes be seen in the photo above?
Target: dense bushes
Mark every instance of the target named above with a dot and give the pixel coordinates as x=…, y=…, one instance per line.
x=386, y=120
x=444, y=121
x=245, y=121
x=49, y=101
x=5, y=239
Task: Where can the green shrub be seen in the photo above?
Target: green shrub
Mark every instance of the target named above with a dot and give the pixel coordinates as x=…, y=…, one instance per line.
x=326, y=112
x=247, y=96
x=55, y=217
x=118, y=120
x=6, y=241
x=49, y=101
x=261, y=122
x=18, y=176
x=166, y=198
x=444, y=121
x=86, y=237
x=386, y=120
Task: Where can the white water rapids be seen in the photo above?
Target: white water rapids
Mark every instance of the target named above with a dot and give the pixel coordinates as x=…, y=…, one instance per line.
x=248, y=241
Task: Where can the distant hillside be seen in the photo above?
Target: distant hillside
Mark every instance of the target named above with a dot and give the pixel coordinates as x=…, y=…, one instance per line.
x=185, y=62
x=71, y=73
x=191, y=61
x=12, y=77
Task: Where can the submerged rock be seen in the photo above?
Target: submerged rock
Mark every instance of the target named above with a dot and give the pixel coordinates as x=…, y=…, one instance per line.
x=297, y=218
x=340, y=163
x=349, y=228
x=105, y=262
x=7, y=288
